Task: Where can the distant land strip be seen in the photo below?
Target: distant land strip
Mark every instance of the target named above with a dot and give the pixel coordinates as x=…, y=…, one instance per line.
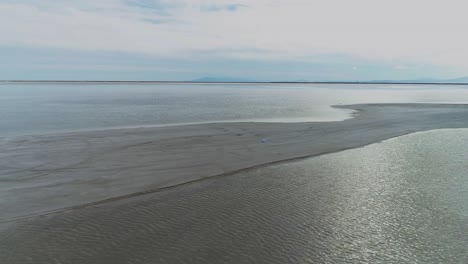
x=221, y=82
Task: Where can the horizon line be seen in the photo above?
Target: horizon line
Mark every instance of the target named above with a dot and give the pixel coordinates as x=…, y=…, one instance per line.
x=235, y=82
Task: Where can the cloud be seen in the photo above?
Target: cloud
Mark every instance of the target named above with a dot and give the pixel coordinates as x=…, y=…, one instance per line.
x=218, y=8
x=398, y=32
x=161, y=7
x=402, y=67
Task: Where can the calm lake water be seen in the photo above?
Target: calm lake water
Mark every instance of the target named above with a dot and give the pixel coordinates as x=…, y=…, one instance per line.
x=400, y=201
x=50, y=108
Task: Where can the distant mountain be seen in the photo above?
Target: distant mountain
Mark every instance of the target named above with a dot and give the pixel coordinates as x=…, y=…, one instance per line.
x=461, y=80
x=222, y=79
x=455, y=80
x=422, y=80
x=426, y=80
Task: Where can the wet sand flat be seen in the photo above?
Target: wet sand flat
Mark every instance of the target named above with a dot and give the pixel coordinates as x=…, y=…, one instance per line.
x=41, y=174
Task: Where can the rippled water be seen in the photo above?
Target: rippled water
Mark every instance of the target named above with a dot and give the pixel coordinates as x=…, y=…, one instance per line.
x=48, y=108
x=400, y=201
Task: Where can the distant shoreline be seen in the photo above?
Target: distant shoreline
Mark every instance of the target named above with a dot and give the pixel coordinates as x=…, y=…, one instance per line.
x=199, y=82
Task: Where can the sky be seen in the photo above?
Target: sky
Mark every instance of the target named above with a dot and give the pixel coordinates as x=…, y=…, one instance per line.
x=275, y=40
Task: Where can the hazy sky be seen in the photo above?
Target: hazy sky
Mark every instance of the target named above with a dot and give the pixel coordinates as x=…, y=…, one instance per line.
x=256, y=39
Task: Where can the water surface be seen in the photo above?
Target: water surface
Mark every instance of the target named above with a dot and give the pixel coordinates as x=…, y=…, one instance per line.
x=51, y=108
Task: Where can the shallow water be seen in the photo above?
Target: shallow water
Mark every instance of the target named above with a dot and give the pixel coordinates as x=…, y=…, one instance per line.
x=400, y=201
x=50, y=108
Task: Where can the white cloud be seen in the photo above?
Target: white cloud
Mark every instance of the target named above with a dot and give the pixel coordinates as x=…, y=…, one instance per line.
x=402, y=31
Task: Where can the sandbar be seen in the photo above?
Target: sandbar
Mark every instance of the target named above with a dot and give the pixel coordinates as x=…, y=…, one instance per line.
x=44, y=174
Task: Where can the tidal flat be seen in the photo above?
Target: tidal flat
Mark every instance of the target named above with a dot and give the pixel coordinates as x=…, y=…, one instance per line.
x=399, y=201
x=59, y=172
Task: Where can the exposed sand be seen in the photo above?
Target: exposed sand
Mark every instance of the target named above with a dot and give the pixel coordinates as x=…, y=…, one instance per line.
x=41, y=174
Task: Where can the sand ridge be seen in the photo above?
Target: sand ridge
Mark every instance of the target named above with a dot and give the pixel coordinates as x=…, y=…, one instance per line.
x=50, y=173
